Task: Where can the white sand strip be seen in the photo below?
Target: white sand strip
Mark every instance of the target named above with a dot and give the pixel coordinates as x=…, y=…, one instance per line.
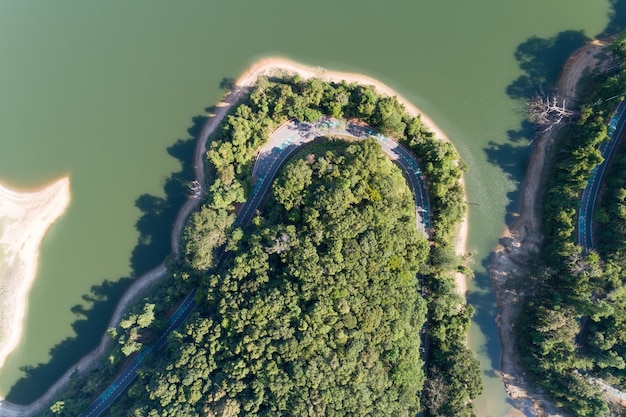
x=24, y=219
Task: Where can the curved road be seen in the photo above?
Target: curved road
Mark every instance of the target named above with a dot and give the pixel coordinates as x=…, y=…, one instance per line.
x=590, y=194
x=283, y=142
x=290, y=136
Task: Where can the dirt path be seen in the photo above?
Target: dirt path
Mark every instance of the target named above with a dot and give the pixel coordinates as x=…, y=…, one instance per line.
x=519, y=243
x=241, y=86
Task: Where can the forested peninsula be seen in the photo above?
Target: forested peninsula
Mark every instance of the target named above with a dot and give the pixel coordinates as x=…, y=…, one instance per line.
x=573, y=324
x=321, y=305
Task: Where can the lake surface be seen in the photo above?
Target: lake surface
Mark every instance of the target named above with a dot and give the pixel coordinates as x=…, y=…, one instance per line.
x=103, y=91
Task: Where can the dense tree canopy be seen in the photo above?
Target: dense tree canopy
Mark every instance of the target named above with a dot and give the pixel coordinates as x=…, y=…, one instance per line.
x=318, y=311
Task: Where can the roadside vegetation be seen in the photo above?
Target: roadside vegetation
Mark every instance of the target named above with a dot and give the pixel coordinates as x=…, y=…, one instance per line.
x=316, y=308
x=573, y=326
x=316, y=311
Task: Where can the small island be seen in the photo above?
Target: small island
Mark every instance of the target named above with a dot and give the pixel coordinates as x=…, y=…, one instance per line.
x=24, y=219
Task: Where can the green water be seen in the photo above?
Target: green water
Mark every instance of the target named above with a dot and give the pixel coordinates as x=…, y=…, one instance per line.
x=101, y=90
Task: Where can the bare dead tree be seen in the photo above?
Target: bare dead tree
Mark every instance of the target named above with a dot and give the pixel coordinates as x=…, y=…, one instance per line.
x=548, y=111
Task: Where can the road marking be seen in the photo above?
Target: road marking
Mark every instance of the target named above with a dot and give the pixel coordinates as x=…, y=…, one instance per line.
x=587, y=204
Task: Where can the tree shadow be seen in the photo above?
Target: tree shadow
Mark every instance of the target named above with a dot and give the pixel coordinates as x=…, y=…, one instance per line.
x=159, y=213
x=512, y=158
x=227, y=83
x=154, y=225
x=542, y=60
x=91, y=322
x=485, y=310
x=617, y=19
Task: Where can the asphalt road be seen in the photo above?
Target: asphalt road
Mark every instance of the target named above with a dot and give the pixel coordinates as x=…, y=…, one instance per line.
x=291, y=135
x=283, y=142
x=590, y=194
x=129, y=374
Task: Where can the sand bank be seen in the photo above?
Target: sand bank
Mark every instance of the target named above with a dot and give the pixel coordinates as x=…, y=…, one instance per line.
x=24, y=219
x=460, y=245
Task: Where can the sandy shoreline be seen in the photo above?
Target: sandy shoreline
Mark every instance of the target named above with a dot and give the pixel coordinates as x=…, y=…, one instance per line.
x=24, y=219
x=247, y=79
x=461, y=249
x=271, y=64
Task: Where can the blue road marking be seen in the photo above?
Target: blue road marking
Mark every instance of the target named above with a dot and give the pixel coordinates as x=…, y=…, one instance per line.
x=613, y=125
x=258, y=184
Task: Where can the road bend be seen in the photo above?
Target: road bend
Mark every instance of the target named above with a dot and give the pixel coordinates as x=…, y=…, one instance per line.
x=282, y=143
